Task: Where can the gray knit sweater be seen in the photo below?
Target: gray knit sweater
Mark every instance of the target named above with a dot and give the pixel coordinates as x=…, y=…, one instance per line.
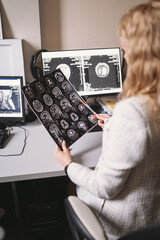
x=124, y=188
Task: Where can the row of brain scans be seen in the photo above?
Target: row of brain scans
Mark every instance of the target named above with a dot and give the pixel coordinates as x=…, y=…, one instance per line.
x=59, y=107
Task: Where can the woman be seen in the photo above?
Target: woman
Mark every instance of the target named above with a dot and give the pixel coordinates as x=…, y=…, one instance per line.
x=124, y=188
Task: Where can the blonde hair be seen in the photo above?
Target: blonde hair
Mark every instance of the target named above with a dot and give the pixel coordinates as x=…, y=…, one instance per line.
x=141, y=28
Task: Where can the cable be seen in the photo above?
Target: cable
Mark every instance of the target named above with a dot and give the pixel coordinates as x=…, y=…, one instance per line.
x=18, y=154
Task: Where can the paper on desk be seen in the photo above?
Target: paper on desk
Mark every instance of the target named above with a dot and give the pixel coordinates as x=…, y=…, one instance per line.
x=59, y=108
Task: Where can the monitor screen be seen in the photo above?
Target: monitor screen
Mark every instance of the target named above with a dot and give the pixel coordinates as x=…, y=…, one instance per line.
x=90, y=71
x=11, y=99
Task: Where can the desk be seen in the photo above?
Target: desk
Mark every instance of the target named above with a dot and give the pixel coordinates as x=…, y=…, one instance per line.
x=37, y=160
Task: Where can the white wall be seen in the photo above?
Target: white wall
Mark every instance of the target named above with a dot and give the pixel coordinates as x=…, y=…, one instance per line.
x=62, y=24
x=20, y=19
x=50, y=24
x=82, y=23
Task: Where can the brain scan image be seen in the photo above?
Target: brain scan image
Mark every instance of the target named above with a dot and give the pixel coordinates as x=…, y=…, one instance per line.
x=49, y=81
x=46, y=118
x=65, y=69
x=65, y=105
x=102, y=70
x=74, y=116
x=56, y=111
x=64, y=124
x=83, y=109
x=53, y=129
x=37, y=105
x=66, y=87
x=6, y=101
x=60, y=140
x=73, y=96
x=59, y=76
x=48, y=100
x=57, y=93
x=72, y=134
x=40, y=87
x=30, y=93
x=82, y=125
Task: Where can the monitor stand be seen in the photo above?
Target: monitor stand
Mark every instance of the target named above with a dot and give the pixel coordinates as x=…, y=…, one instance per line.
x=97, y=104
x=4, y=134
x=93, y=104
x=2, y=126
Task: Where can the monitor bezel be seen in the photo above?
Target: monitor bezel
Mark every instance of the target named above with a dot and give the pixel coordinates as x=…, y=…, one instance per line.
x=67, y=53
x=16, y=119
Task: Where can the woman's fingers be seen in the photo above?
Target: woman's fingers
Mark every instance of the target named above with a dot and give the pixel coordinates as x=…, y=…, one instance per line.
x=64, y=145
x=101, y=123
x=57, y=149
x=101, y=116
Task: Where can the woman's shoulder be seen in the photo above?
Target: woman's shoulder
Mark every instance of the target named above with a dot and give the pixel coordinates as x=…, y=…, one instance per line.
x=131, y=106
x=137, y=102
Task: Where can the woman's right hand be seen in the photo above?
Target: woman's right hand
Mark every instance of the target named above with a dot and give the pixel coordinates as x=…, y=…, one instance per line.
x=102, y=118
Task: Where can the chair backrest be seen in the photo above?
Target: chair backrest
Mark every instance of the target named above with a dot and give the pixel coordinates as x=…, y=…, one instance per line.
x=2, y=233
x=150, y=233
x=83, y=222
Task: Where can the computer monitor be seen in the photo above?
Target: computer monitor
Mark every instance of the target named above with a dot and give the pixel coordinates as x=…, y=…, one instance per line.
x=92, y=72
x=11, y=100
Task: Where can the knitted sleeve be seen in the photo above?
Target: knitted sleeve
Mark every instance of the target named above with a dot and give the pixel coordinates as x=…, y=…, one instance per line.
x=124, y=147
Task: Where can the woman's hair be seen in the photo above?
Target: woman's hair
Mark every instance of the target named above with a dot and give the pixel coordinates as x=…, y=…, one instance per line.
x=141, y=28
x=154, y=0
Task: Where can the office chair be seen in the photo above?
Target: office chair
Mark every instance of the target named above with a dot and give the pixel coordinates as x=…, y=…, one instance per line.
x=2, y=231
x=84, y=224
x=82, y=221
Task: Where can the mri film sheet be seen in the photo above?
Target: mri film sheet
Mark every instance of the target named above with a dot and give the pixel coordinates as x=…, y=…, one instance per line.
x=59, y=108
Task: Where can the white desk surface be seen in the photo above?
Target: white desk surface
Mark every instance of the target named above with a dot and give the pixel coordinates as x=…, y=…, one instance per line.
x=37, y=160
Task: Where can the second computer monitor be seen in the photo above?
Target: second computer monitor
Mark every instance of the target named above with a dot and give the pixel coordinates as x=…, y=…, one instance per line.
x=11, y=100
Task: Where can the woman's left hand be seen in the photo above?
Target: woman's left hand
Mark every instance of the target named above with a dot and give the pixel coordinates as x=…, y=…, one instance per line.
x=63, y=156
